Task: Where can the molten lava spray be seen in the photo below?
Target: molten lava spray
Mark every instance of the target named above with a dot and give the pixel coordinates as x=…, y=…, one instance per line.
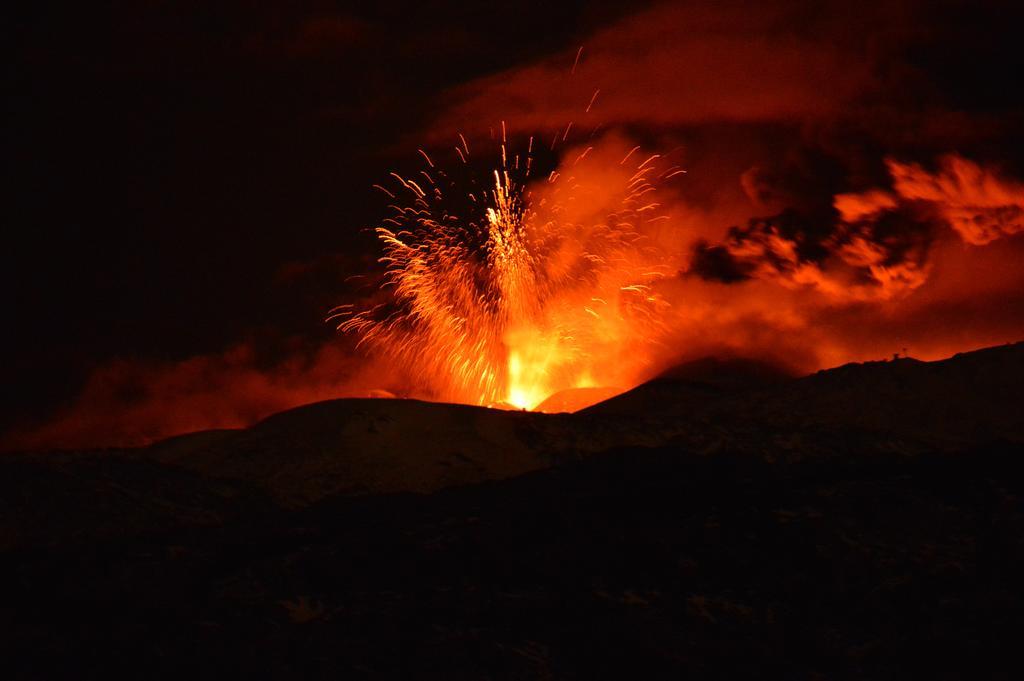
x=504, y=291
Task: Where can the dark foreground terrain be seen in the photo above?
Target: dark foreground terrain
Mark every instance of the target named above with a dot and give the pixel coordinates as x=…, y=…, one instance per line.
x=723, y=522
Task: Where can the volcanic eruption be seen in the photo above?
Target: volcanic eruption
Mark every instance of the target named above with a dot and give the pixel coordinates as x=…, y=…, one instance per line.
x=505, y=289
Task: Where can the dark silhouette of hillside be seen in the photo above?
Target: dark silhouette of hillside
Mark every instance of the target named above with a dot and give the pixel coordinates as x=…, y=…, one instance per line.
x=723, y=521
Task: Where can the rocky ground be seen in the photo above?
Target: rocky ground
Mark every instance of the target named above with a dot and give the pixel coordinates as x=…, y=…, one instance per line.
x=724, y=521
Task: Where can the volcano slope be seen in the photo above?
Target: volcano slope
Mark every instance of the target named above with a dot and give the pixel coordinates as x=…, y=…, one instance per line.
x=722, y=521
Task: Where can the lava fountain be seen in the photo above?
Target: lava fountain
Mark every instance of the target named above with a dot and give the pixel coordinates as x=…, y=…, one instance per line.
x=503, y=290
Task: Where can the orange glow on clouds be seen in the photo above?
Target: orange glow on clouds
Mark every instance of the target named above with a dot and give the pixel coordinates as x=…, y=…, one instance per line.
x=979, y=204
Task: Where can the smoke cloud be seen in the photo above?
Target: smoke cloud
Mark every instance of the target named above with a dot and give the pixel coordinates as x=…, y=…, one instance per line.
x=134, y=402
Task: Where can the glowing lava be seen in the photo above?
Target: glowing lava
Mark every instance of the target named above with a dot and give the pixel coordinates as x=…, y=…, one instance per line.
x=507, y=293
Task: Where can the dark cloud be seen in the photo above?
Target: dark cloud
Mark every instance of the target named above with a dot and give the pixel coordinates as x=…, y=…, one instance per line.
x=716, y=263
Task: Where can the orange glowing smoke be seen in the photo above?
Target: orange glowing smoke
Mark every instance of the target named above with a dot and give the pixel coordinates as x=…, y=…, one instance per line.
x=508, y=293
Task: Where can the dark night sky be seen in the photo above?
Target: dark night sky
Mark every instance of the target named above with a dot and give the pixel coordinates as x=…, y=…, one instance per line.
x=169, y=158
x=172, y=161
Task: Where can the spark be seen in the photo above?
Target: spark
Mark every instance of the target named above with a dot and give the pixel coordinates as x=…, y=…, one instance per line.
x=576, y=61
x=631, y=152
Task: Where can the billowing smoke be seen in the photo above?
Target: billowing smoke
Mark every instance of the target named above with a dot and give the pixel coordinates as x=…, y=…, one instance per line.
x=133, y=402
x=873, y=244
x=975, y=201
